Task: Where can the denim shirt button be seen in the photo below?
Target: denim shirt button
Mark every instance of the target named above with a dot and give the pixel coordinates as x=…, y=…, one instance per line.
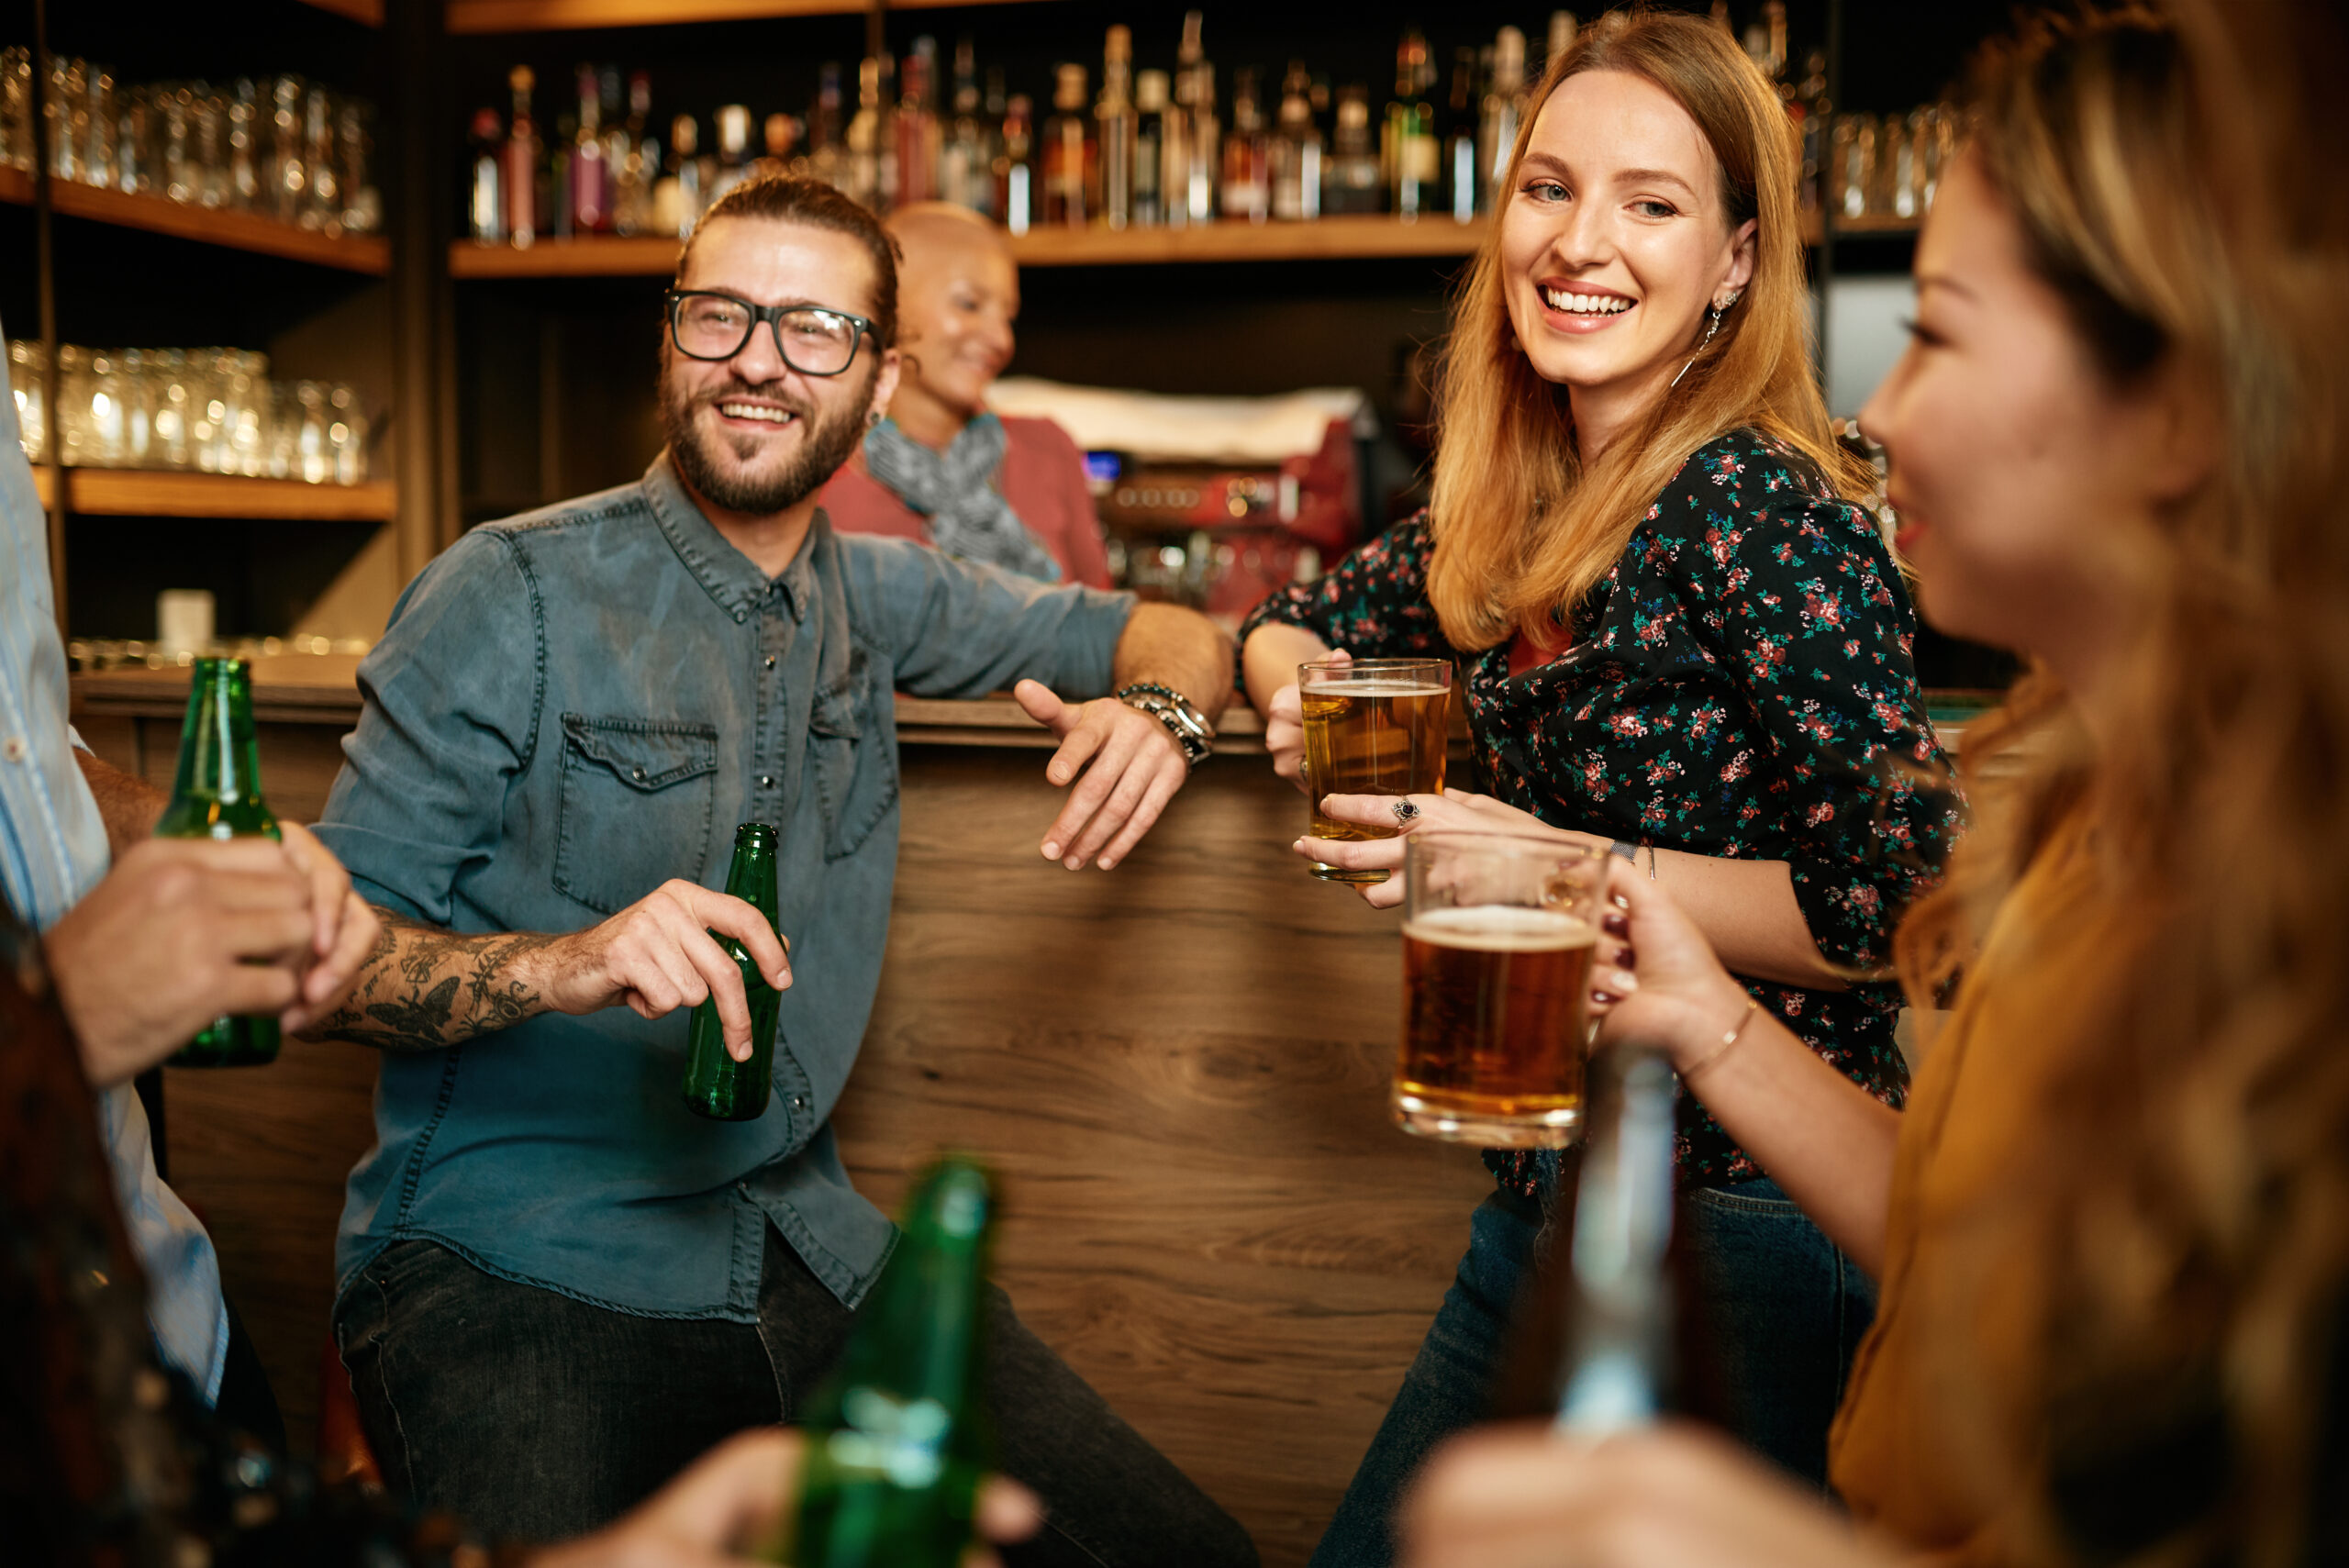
x=636, y=774
x=741, y=615
x=800, y=1102
x=766, y=781
x=770, y=660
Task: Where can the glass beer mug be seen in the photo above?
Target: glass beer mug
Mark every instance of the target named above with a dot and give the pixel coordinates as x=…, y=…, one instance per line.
x=1497, y=937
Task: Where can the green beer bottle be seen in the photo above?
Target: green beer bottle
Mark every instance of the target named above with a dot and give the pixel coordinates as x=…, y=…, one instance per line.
x=218, y=796
x=897, y=1438
x=716, y=1085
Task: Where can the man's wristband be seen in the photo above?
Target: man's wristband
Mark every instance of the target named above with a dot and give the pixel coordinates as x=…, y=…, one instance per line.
x=1182, y=721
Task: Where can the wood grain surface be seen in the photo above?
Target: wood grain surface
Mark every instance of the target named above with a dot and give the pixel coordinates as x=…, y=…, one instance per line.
x=1179, y=1068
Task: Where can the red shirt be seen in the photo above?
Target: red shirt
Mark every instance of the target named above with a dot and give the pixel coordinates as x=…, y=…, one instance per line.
x=1043, y=476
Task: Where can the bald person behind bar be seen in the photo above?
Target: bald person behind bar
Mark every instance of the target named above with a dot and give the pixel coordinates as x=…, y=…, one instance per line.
x=940, y=468
x=556, y=1285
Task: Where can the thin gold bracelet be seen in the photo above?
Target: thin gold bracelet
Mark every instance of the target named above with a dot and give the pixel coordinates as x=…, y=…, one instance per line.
x=1729, y=1043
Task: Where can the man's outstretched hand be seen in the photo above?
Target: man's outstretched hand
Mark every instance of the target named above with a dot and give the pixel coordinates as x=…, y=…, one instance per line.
x=1126, y=768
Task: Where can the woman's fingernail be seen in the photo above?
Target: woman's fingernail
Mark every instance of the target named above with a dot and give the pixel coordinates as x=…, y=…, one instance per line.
x=1624, y=982
x=1616, y=925
x=1605, y=999
x=1627, y=958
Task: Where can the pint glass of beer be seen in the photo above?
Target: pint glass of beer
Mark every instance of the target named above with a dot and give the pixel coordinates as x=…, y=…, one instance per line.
x=1372, y=726
x=1497, y=938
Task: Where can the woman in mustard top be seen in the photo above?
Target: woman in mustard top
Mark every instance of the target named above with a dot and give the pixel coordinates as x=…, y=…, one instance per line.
x=2111, y=1229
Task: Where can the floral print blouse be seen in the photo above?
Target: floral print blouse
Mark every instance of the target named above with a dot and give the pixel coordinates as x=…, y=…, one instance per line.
x=1739, y=685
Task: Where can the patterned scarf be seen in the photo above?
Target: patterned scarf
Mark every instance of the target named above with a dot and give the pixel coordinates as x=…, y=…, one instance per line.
x=968, y=517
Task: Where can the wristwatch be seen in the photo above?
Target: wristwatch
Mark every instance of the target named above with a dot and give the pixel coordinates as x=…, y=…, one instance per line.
x=1172, y=708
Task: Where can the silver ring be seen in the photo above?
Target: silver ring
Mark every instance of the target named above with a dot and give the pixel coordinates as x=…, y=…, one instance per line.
x=1404, y=812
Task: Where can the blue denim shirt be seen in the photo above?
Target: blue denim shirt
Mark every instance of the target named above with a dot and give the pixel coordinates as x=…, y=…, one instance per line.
x=567, y=710
x=52, y=852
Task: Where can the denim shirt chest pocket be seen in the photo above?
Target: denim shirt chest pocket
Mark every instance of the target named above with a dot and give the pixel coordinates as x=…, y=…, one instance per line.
x=854, y=762
x=634, y=806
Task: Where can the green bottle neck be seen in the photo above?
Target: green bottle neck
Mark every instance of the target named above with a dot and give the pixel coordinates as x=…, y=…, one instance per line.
x=921, y=1332
x=751, y=876
x=219, y=758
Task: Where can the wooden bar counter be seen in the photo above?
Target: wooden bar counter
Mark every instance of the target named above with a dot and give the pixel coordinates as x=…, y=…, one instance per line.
x=1178, y=1067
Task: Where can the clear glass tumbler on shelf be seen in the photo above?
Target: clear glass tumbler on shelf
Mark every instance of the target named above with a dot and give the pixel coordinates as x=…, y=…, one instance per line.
x=29, y=379
x=16, y=107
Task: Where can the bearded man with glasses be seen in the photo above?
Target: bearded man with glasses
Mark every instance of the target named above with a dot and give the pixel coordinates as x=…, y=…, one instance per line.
x=555, y=1283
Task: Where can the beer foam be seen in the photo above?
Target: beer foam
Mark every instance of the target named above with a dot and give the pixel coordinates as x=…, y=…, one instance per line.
x=1501, y=928
x=1374, y=689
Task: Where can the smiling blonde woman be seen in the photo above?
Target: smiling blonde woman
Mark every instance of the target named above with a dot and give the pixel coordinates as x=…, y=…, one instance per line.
x=1677, y=637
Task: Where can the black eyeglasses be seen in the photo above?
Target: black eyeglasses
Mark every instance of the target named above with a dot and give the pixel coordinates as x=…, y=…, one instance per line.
x=811, y=339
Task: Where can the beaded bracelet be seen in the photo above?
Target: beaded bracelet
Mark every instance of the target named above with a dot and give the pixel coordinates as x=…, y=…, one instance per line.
x=1729, y=1043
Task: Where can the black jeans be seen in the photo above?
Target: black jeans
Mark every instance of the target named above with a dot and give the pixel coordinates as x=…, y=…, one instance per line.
x=535, y=1416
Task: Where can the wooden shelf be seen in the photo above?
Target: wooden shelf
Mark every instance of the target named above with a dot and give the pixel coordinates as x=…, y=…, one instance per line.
x=642, y=256
x=139, y=492
x=1331, y=239
x=1873, y=227
x=368, y=253
x=368, y=13
x=562, y=15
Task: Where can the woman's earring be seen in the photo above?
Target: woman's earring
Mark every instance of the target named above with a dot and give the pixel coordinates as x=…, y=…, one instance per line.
x=1710, y=328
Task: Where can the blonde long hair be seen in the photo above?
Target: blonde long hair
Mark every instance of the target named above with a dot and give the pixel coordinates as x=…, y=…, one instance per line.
x=2184, y=970
x=1520, y=528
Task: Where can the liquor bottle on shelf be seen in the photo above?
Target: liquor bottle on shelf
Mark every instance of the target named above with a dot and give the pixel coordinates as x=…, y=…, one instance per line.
x=716, y=1085
x=1809, y=108
x=555, y=183
x=966, y=170
x=612, y=118
x=1247, y=155
x=1349, y=181
x=1149, y=148
x=867, y=136
x=485, y=202
x=779, y=135
x=588, y=214
x=217, y=795
x=1465, y=191
x=1014, y=166
x=1410, y=151
x=1504, y=104
x=1174, y=153
x=1775, y=62
x=1204, y=156
x=677, y=197
x=1296, y=150
x=733, y=148
x=640, y=163
x=825, y=157
x=1114, y=118
x=918, y=131
x=518, y=167
x=1562, y=28
x=1068, y=152
x=899, y=1434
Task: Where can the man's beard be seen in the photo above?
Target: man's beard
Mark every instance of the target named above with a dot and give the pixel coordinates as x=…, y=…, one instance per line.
x=824, y=445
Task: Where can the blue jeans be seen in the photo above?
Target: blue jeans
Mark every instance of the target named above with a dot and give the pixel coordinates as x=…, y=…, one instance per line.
x=536, y=1416
x=1782, y=1309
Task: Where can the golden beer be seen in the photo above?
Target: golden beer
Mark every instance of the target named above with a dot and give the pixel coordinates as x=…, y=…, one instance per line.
x=1374, y=727
x=1494, y=1024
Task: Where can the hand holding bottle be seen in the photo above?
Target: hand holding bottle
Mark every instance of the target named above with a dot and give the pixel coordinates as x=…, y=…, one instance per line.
x=180, y=933
x=732, y=1500
x=1657, y=976
x=658, y=955
x=1523, y=1497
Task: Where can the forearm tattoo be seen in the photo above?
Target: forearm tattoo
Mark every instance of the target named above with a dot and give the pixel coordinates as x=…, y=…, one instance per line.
x=421, y=988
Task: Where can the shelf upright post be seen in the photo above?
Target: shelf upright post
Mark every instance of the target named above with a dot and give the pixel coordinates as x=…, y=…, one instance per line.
x=423, y=332
x=45, y=272
x=1826, y=270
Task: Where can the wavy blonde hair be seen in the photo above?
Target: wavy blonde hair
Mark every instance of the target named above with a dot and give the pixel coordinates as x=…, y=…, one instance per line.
x=2164, y=914
x=1522, y=528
